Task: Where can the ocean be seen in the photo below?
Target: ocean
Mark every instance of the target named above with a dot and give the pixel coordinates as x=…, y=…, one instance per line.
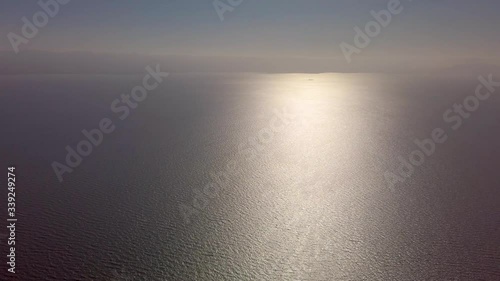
x=253, y=177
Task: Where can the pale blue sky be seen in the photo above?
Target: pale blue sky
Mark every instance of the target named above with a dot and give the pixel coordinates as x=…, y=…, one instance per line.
x=462, y=29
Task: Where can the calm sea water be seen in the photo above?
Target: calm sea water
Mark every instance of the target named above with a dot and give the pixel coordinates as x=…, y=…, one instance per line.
x=305, y=201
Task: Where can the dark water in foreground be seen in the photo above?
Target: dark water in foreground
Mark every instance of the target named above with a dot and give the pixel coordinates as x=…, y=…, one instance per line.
x=305, y=201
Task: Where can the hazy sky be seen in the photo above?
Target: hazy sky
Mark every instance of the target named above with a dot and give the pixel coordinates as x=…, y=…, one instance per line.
x=463, y=29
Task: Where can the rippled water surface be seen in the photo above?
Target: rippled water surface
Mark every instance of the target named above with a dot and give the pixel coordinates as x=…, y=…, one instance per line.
x=253, y=177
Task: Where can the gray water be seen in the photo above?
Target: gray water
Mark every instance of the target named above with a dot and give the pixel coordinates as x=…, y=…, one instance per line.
x=306, y=202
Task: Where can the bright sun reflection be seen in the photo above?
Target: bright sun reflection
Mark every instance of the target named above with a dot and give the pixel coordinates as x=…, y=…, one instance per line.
x=307, y=177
